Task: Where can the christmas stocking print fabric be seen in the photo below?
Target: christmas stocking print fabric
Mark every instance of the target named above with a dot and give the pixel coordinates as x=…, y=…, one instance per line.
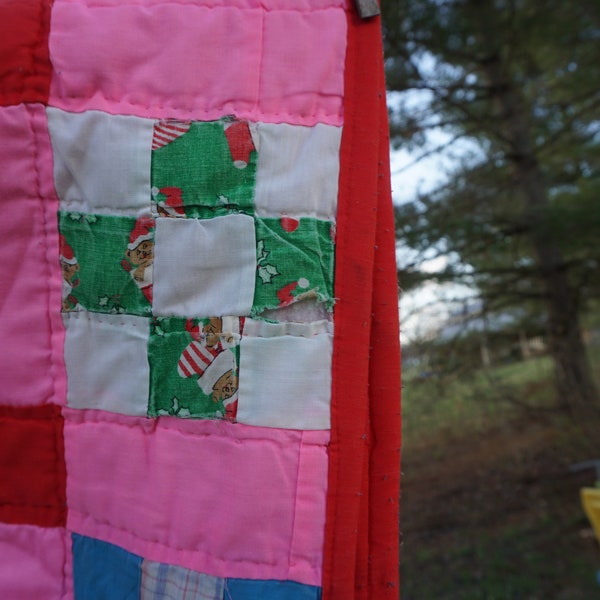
x=200, y=393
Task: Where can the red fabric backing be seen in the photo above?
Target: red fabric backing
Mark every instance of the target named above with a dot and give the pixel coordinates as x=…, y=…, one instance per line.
x=33, y=480
x=25, y=67
x=361, y=538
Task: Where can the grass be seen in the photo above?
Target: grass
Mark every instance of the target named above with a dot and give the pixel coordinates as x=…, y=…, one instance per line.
x=490, y=509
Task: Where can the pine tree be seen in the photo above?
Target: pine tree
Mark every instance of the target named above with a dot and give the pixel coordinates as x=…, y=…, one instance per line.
x=519, y=79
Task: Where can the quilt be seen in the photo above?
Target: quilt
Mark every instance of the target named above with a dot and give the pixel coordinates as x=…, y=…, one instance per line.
x=198, y=312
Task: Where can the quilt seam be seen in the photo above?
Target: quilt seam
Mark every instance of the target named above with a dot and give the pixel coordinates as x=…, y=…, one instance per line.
x=223, y=6
x=104, y=523
x=48, y=266
x=183, y=432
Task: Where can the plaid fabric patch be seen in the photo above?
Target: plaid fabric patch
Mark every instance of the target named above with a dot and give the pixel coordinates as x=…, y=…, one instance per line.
x=169, y=582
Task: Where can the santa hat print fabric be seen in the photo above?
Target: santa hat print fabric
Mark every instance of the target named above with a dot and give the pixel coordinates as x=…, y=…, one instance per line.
x=222, y=364
x=209, y=315
x=142, y=232
x=170, y=204
x=168, y=130
x=195, y=359
x=240, y=142
x=66, y=252
x=285, y=294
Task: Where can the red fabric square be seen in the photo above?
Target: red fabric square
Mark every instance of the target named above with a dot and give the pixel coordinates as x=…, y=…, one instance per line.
x=24, y=59
x=32, y=466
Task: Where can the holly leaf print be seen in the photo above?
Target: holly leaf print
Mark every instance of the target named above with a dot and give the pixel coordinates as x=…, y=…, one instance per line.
x=267, y=272
x=157, y=328
x=261, y=252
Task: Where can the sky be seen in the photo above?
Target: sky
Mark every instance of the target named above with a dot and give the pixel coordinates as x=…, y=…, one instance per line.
x=424, y=310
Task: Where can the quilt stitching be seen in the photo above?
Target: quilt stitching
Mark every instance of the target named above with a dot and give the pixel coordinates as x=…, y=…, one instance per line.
x=150, y=580
x=175, y=547
x=276, y=116
x=294, y=512
x=260, y=6
x=75, y=417
x=47, y=263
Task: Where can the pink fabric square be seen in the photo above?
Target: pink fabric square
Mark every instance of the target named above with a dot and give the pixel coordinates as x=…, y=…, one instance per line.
x=17, y=150
x=33, y=370
x=32, y=562
x=297, y=77
x=221, y=499
x=147, y=60
x=310, y=517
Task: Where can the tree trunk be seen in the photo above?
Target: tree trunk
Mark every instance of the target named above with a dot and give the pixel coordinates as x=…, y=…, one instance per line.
x=574, y=382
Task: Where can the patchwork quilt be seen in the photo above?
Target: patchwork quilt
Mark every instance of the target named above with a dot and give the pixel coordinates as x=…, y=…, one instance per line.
x=199, y=396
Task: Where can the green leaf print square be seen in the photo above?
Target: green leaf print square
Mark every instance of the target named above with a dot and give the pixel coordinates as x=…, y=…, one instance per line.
x=295, y=258
x=203, y=169
x=106, y=263
x=187, y=366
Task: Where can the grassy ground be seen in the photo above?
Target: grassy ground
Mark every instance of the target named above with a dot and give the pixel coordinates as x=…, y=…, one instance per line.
x=490, y=509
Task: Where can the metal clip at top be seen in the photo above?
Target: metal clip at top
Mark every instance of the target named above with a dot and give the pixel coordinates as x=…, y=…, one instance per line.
x=367, y=8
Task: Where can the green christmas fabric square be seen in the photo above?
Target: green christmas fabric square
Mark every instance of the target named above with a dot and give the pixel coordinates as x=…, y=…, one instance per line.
x=295, y=260
x=106, y=263
x=203, y=169
x=193, y=367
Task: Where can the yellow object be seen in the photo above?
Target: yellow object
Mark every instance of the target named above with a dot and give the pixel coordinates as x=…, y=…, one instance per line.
x=590, y=498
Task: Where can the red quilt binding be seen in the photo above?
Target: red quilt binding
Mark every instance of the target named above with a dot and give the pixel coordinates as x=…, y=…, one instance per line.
x=361, y=536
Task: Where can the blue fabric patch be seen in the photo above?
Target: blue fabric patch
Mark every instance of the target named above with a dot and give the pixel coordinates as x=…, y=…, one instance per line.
x=250, y=589
x=102, y=571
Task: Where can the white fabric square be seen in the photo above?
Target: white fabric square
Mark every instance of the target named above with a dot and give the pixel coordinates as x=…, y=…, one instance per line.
x=298, y=170
x=204, y=267
x=285, y=378
x=106, y=360
x=101, y=161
